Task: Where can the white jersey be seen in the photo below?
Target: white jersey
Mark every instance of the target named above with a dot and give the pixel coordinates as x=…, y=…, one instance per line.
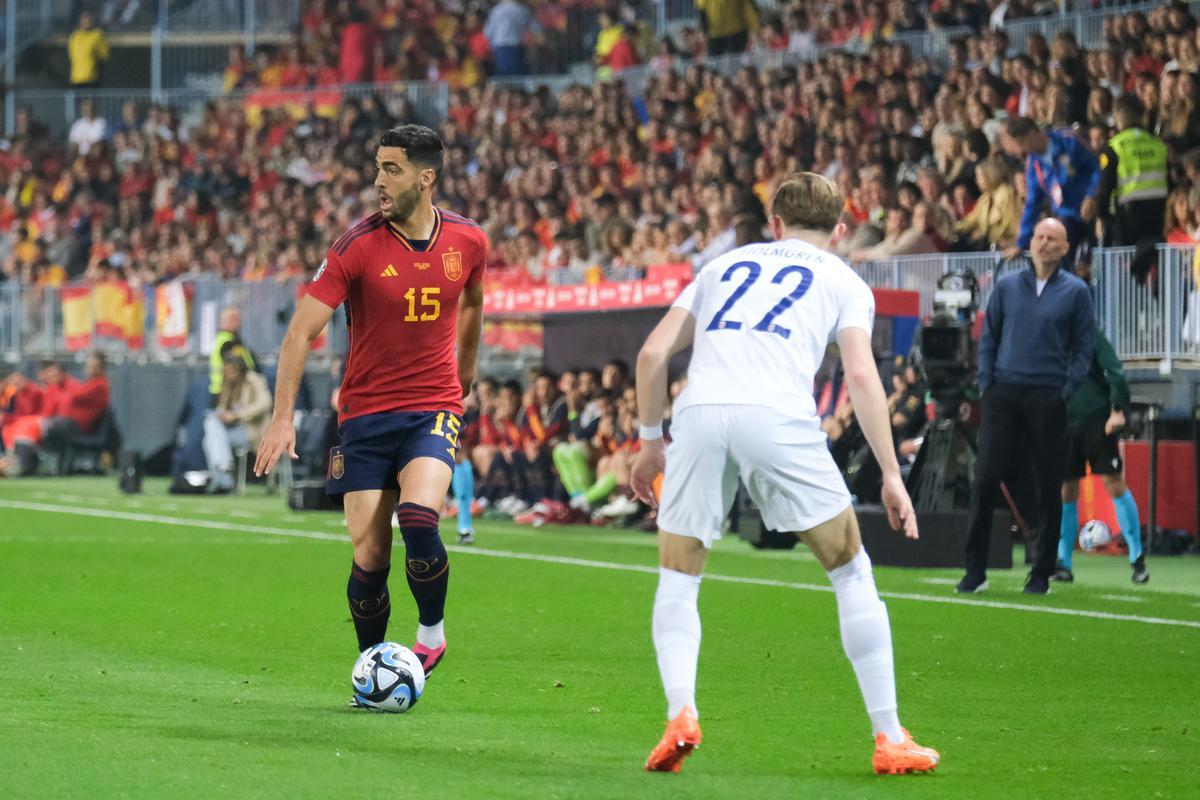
x=764, y=317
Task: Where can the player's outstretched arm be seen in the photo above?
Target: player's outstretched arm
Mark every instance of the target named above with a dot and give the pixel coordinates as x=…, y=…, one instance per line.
x=672, y=335
x=870, y=406
x=470, y=326
x=310, y=319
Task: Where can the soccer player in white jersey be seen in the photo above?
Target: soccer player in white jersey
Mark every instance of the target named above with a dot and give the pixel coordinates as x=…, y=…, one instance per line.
x=759, y=320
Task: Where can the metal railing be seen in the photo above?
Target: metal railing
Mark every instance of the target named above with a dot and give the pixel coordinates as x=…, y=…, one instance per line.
x=1087, y=26
x=24, y=23
x=420, y=101
x=1156, y=322
x=920, y=273
x=277, y=16
x=191, y=16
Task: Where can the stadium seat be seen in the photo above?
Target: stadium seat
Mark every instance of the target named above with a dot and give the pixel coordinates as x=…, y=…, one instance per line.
x=87, y=446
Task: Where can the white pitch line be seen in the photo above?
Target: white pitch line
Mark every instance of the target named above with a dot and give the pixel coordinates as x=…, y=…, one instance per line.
x=123, y=540
x=1123, y=598
x=585, y=562
x=187, y=523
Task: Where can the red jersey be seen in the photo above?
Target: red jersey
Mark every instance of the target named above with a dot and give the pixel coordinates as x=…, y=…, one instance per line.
x=86, y=403
x=402, y=309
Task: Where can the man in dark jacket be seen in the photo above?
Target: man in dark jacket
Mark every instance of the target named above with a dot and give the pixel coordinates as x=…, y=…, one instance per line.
x=1034, y=353
x=1095, y=417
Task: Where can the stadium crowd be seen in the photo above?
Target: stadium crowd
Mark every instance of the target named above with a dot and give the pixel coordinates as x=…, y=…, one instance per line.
x=599, y=178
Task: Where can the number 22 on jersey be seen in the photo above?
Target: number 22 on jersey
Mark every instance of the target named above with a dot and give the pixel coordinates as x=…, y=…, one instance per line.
x=753, y=271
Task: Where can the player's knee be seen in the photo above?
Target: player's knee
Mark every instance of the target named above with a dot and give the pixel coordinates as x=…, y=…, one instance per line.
x=372, y=555
x=684, y=554
x=835, y=543
x=1115, y=485
x=857, y=568
x=419, y=528
x=1070, y=491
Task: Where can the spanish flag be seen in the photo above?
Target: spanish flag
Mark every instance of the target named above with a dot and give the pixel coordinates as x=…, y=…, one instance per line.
x=109, y=300
x=77, y=317
x=134, y=319
x=171, y=306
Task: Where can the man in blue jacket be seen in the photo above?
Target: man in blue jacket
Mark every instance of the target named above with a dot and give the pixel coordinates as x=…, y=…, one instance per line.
x=1035, y=351
x=1059, y=168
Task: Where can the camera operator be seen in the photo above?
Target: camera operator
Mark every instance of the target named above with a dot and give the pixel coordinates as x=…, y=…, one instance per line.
x=1035, y=351
x=906, y=403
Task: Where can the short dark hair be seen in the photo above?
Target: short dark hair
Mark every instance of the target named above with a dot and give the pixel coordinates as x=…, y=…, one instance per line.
x=977, y=142
x=621, y=365
x=1129, y=110
x=236, y=360
x=1020, y=127
x=422, y=146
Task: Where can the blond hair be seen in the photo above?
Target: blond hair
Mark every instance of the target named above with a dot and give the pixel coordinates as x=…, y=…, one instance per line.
x=995, y=170
x=808, y=201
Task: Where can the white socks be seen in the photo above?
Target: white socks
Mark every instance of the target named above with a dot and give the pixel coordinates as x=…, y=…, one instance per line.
x=867, y=640
x=677, y=637
x=866, y=637
x=432, y=636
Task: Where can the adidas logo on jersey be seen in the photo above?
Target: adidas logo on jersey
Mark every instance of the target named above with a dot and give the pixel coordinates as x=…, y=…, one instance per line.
x=390, y=272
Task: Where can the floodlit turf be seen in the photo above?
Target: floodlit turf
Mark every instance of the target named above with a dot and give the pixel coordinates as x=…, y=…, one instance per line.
x=201, y=647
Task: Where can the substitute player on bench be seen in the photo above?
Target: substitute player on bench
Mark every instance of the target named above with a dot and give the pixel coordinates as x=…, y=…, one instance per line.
x=410, y=277
x=759, y=320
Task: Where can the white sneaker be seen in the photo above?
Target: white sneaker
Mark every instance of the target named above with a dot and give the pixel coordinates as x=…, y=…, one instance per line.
x=580, y=503
x=622, y=506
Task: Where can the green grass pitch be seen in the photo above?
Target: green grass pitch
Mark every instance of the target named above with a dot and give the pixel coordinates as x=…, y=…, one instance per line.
x=157, y=646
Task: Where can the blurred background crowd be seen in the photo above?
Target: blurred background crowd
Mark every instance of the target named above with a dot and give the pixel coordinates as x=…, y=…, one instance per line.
x=606, y=177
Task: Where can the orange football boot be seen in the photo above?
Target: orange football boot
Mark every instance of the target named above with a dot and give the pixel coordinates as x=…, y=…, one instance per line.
x=681, y=738
x=906, y=756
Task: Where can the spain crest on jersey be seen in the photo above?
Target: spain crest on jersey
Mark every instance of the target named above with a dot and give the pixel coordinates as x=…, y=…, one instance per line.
x=452, y=262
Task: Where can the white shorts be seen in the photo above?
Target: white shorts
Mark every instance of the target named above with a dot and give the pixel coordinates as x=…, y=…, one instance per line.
x=784, y=462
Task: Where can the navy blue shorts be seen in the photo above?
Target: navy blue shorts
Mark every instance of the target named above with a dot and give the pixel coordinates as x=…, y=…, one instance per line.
x=374, y=448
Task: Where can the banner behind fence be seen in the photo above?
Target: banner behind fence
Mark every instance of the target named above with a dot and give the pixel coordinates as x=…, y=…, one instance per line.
x=1158, y=321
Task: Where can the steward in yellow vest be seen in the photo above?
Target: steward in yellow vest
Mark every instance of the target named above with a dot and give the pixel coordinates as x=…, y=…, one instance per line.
x=1132, y=195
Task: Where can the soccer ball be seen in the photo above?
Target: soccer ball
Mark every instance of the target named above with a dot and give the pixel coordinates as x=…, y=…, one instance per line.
x=1095, y=534
x=388, y=677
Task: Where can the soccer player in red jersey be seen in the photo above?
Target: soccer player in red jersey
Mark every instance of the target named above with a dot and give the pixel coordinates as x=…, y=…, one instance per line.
x=410, y=277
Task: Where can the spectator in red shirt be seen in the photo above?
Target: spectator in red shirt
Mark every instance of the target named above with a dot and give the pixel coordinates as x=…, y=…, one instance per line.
x=624, y=54
x=82, y=405
x=358, y=45
x=19, y=397
x=67, y=408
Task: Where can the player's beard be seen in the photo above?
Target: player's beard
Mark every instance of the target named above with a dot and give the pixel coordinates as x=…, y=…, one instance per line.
x=403, y=205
